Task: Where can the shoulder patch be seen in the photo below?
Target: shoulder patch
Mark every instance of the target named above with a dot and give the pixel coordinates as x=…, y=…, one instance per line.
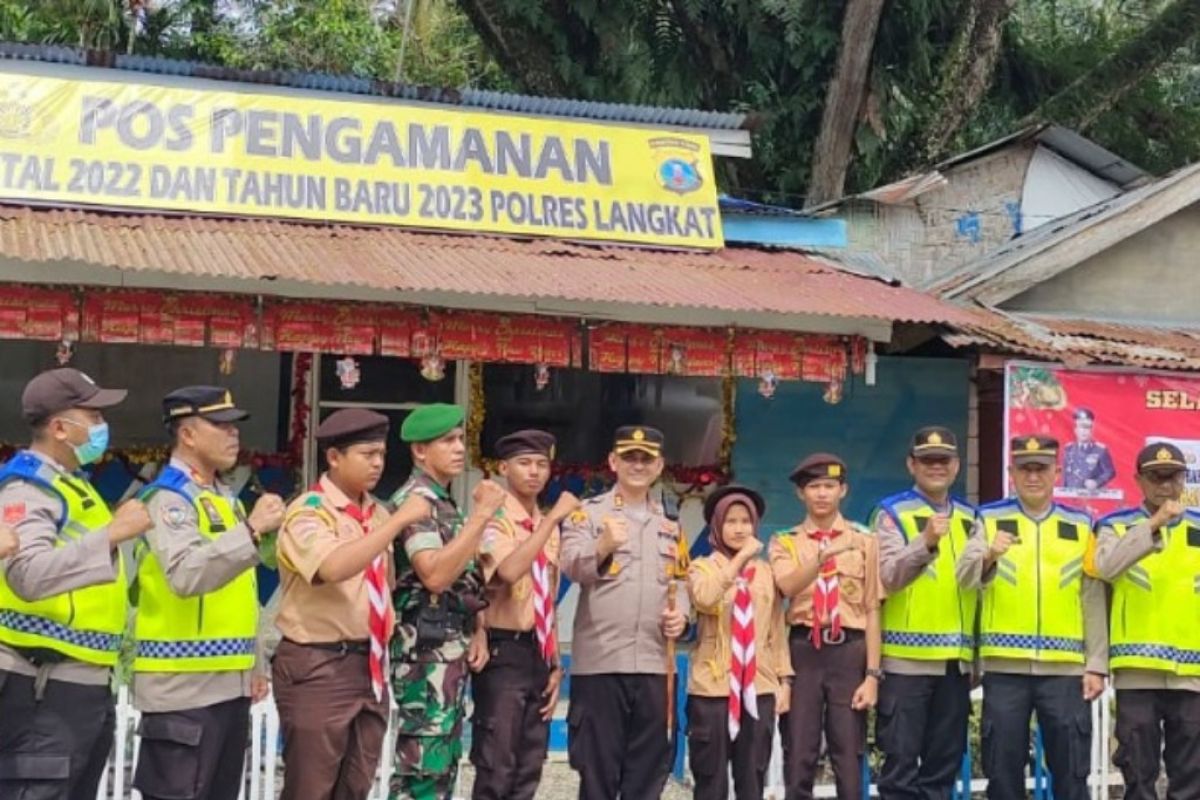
x=14, y=513
x=313, y=500
x=173, y=516
x=578, y=517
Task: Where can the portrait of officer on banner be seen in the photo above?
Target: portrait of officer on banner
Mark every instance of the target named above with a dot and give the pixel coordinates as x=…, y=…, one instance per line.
x=1087, y=463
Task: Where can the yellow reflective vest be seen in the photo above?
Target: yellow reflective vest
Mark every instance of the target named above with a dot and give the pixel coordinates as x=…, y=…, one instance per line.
x=211, y=632
x=931, y=619
x=1155, y=617
x=84, y=624
x=1033, y=606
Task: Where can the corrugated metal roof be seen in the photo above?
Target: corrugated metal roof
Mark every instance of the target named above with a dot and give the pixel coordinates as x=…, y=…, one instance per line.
x=347, y=84
x=1077, y=342
x=391, y=259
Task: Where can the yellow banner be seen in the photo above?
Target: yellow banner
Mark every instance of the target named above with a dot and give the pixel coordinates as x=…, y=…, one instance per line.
x=376, y=162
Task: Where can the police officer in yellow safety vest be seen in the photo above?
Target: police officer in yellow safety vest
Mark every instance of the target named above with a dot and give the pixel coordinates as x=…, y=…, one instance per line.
x=195, y=666
x=62, y=595
x=1150, y=555
x=1043, y=631
x=928, y=625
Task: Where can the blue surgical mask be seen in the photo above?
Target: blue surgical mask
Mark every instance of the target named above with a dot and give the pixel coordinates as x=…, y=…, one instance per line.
x=90, y=451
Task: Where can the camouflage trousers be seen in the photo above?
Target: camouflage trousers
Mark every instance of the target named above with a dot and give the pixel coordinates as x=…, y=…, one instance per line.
x=431, y=697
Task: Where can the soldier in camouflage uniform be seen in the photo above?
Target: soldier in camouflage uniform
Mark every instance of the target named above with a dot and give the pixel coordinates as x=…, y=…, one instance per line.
x=439, y=591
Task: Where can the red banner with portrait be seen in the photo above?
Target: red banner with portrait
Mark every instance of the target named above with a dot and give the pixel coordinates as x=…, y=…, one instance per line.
x=1102, y=418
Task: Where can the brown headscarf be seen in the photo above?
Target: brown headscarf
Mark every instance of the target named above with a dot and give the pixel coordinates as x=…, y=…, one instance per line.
x=718, y=519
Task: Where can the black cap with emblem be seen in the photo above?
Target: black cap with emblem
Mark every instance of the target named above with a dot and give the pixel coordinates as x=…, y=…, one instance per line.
x=212, y=403
x=933, y=441
x=525, y=442
x=638, y=437
x=1161, y=458
x=1034, y=450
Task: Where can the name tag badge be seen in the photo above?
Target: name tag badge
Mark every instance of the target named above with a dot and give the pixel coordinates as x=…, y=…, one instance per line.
x=1010, y=527
x=1193, y=536
x=1068, y=531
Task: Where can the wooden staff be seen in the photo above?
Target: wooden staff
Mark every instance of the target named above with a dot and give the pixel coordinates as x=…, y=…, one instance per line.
x=672, y=587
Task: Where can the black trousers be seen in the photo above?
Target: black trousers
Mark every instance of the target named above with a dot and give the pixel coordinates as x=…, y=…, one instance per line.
x=196, y=754
x=1145, y=717
x=824, y=686
x=1065, y=720
x=508, y=736
x=617, y=738
x=56, y=747
x=921, y=727
x=712, y=755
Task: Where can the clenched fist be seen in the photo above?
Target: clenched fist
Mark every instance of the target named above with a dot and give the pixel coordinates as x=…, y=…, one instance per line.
x=1168, y=511
x=8, y=542
x=614, y=533
x=936, y=527
x=267, y=514
x=130, y=520
x=1001, y=543
x=489, y=497
x=566, y=504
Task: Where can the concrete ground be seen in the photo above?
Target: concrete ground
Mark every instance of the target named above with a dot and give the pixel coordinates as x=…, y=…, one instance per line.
x=559, y=782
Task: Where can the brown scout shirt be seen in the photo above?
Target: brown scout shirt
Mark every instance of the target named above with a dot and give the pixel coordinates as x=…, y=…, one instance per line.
x=40, y=569
x=1115, y=554
x=195, y=564
x=858, y=572
x=621, y=598
x=510, y=606
x=970, y=574
x=310, y=610
x=712, y=596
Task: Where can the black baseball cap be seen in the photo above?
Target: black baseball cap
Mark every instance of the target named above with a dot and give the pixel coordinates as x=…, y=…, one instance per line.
x=62, y=389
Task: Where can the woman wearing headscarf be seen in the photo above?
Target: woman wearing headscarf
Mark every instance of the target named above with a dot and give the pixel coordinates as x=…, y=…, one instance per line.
x=741, y=659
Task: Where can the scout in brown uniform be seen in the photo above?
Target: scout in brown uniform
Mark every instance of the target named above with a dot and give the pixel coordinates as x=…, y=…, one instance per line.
x=330, y=684
x=196, y=667
x=742, y=657
x=62, y=595
x=624, y=553
x=830, y=569
x=517, y=691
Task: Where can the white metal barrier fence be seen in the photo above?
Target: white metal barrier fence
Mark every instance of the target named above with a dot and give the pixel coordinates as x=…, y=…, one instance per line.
x=262, y=773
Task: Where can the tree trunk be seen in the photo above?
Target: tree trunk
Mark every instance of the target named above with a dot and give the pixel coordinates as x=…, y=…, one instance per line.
x=1099, y=89
x=968, y=72
x=522, y=53
x=843, y=100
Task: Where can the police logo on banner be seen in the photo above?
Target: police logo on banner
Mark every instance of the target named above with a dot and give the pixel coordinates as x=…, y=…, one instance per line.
x=678, y=164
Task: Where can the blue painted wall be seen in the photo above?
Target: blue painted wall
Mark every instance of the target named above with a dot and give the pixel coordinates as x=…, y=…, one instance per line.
x=869, y=429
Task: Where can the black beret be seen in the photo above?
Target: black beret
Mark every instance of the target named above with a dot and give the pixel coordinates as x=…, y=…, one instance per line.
x=348, y=426
x=524, y=442
x=818, y=465
x=710, y=502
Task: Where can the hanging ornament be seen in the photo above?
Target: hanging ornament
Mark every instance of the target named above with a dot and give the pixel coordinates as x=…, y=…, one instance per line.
x=675, y=360
x=433, y=367
x=541, y=376
x=227, y=360
x=348, y=372
x=65, y=352
x=833, y=393
x=767, y=383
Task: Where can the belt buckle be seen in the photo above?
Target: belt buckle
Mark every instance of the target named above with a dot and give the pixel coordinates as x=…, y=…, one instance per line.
x=343, y=648
x=828, y=637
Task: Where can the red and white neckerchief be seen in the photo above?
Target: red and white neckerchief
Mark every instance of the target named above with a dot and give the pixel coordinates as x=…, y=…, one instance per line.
x=543, y=603
x=743, y=664
x=825, y=592
x=379, y=615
